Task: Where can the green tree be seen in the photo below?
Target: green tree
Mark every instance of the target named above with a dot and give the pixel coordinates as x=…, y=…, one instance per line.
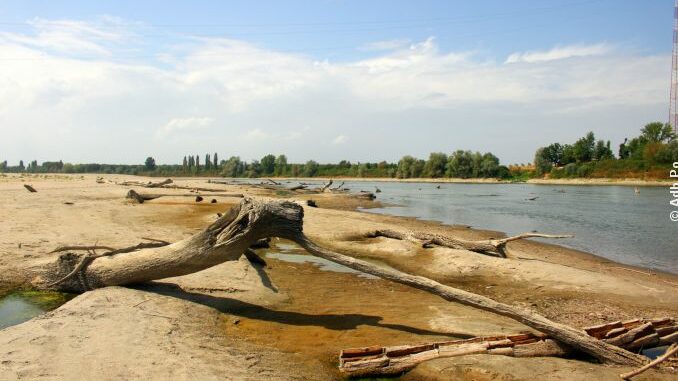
x=542, y=161
x=602, y=151
x=208, y=162
x=254, y=169
x=197, y=163
x=568, y=154
x=215, y=161
x=280, y=165
x=417, y=169
x=668, y=153
x=267, y=164
x=624, y=149
x=554, y=153
x=584, y=147
x=489, y=165
x=150, y=163
x=311, y=168
x=435, y=166
x=460, y=164
x=233, y=167
x=657, y=132
x=404, y=168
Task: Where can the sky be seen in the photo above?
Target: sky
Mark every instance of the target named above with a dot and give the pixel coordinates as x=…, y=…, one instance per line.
x=329, y=80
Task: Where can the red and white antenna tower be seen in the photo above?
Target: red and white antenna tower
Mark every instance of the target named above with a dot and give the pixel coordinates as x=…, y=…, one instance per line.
x=673, y=108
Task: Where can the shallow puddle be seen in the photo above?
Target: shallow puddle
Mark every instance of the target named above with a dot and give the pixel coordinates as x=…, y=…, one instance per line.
x=292, y=253
x=653, y=353
x=20, y=306
x=322, y=264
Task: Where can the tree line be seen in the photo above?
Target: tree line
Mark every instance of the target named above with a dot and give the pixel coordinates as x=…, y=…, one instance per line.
x=645, y=155
x=464, y=164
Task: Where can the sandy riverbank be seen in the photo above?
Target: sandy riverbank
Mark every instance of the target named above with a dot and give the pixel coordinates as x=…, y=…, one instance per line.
x=225, y=322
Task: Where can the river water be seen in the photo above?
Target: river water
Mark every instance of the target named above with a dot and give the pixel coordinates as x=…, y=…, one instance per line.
x=613, y=222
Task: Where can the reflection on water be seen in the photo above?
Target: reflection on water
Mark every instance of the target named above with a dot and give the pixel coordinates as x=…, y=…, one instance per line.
x=21, y=306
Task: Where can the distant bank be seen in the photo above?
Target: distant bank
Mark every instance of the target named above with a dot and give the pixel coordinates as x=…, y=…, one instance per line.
x=575, y=181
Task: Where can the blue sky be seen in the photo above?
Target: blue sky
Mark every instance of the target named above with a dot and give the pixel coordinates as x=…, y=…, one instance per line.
x=325, y=80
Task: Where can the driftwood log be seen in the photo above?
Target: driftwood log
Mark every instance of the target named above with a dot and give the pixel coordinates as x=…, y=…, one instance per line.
x=494, y=247
x=390, y=361
x=381, y=361
x=140, y=198
x=326, y=186
x=231, y=235
x=149, y=184
x=30, y=188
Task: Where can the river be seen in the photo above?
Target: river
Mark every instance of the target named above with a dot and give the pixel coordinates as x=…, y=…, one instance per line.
x=613, y=222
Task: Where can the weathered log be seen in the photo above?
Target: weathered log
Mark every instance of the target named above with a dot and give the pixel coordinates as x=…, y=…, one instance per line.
x=231, y=235
x=366, y=195
x=668, y=339
x=324, y=188
x=140, y=198
x=159, y=184
x=572, y=337
x=149, y=184
x=194, y=189
x=273, y=182
x=631, y=335
x=383, y=361
x=494, y=247
x=298, y=187
x=30, y=188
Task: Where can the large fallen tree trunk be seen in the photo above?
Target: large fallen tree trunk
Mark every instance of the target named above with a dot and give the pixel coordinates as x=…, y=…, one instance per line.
x=231, y=235
x=494, y=247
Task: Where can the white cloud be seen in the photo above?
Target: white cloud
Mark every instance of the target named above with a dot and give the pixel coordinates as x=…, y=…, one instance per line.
x=257, y=134
x=184, y=124
x=340, y=139
x=55, y=105
x=386, y=45
x=559, y=53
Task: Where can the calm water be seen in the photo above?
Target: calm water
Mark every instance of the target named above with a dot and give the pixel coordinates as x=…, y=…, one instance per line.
x=610, y=221
x=21, y=306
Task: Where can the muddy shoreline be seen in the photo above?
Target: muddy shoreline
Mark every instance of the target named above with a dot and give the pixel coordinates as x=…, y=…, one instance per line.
x=226, y=320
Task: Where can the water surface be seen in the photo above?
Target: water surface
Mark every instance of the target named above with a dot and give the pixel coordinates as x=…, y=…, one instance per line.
x=20, y=306
x=613, y=222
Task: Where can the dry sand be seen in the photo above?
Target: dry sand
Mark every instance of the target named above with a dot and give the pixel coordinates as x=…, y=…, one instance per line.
x=226, y=323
